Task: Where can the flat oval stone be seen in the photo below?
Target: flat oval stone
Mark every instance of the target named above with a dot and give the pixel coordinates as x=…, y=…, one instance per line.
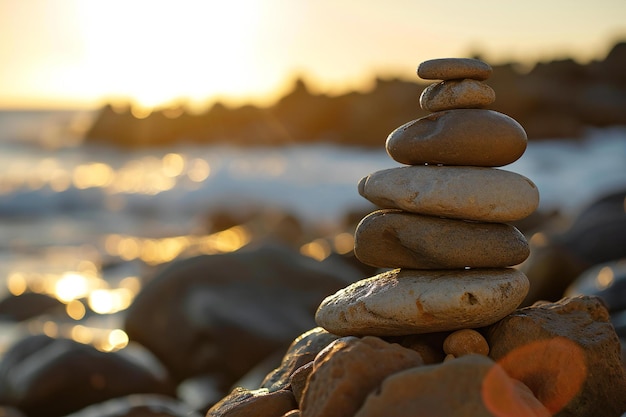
x=473, y=137
x=454, y=68
x=469, y=193
x=457, y=94
x=397, y=239
x=405, y=301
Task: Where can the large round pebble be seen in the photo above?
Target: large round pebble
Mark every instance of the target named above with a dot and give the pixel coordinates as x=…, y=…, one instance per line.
x=472, y=137
x=405, y=301
x=469, y=193
x=457, y=94
x=397, y=239
x=454, y=68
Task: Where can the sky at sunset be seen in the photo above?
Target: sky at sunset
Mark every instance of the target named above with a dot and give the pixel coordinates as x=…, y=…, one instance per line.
x=82, y=53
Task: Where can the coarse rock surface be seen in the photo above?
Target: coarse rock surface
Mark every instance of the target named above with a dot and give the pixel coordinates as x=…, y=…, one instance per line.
x=302, y=350
x=456, y=94
x=223, y=314
x=454, y=68
x=470, y=386
x=397, y=239
x=567, y=353
x=469, y=193
x=254, y=403
x=48, y=377
x=472, y=137
x=405, y=301
x=348, y=370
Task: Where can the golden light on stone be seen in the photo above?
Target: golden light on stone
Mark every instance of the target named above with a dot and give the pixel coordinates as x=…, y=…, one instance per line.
x=108, y=301
x=228, y=240
x=81, y=334
x=605, y=278
x=539, y=239
x=75, y=309
x=16, y=283
x=50, y=329
x=132, y=284
x=115, y=340
x=343, y=243
x=319, y=249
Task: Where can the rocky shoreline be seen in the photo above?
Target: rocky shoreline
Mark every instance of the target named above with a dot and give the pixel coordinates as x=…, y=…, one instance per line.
x=266, y=331
x=558, y=99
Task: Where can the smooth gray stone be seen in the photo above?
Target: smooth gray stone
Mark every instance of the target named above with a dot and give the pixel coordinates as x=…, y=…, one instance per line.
x=469, y=193
x=406, y=301
x=397, y=239
x=454, y=68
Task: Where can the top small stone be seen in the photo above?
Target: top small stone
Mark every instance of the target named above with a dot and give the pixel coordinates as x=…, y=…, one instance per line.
x=453, y=69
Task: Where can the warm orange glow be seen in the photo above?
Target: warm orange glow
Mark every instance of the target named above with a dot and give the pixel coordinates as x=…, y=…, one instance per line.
x=71, y=286
x=81, y=334
x=199, y=170
x=110, y=301
x=554, y=369
x=503, y=399
x=173, y=164
x=16, y=283
x=319, y=249
x=343, y=243
x=605, y=278
x=75, y=309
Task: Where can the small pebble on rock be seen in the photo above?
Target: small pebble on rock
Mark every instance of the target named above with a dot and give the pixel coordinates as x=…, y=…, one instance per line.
x=465, y=341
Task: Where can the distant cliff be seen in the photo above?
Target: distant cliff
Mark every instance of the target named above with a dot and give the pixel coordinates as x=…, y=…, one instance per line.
x=555, y=99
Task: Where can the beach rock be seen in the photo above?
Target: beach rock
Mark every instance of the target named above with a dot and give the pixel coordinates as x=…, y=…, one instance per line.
x=456, y=94
x=254, y=403
x=10, y=412
x=482, y=138
x=465, y=341
x=428, y=345
x=567, y=353
x=143, y=405
x=53, y=377
x=222, y=314
x=448, y=191
x=298, y=380
x=347, y=370
x=606, y=281
x=28, y=305
x=454, y=68
x=397, y=239
x=302, y=351
x=596, y=236
x=404, y=301
x=470, y=386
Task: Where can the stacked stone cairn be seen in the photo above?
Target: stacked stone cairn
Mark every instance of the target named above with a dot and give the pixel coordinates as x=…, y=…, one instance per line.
x=442, y=228
x=438, y=333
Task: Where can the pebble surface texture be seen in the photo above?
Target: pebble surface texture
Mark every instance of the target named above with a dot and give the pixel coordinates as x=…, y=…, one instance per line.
x=456, y=94
x=397, y=239
x=469, y=193
x=453, y=69
x=405, y=301
x=471, y=137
